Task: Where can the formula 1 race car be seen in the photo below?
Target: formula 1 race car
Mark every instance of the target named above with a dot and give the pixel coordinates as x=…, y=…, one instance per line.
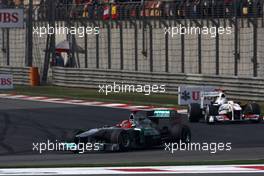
x=143, y=129
x=221, y=110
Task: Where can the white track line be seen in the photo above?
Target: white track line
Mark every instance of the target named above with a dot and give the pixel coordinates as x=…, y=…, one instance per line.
x=18, y=96
x=92, y=103
x=54, y=99
x=36, y=98
x=138, y=107
x=4, y=95
x=114, y=105
x=76, y=101
x=137, y=170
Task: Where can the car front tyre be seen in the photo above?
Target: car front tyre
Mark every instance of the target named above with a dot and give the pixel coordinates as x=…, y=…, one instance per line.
x=186, y=135
x=194, y=112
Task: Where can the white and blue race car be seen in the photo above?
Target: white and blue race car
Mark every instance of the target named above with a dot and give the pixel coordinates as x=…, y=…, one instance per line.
x=222, y=110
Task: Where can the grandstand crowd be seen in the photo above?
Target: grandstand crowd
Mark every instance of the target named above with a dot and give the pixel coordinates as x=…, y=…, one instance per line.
x=175, y=8
x=137, y=8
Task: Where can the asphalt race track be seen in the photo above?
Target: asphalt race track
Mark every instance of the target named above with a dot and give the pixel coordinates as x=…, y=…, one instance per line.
x=25, y=122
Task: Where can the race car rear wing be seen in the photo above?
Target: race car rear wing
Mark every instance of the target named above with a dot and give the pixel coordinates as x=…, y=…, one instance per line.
x=210, y=94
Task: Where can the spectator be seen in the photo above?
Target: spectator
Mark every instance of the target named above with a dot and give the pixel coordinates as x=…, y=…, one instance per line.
x=76, y=10
x=106, y=10
x=87, y=4
x=89, y=8
x=2, y=4
x=250, y=6
x=260, y=5
x=188, y=7
x=195, y=8
x=58, y=60
x=182, y=9
x=18, y=3
x=228, y=7
x=6, y=4
x=166, y=9
x=217, y=8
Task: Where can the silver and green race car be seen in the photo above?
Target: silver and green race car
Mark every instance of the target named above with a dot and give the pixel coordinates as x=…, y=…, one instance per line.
x=143, y=129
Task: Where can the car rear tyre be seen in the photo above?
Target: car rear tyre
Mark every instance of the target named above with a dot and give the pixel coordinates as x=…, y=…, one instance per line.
x=175, y=133
x=252, y=108
x=194, y=112
x=181, y=133
x=258, y=121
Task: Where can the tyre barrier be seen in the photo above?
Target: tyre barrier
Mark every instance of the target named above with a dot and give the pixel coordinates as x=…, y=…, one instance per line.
x=20, y=74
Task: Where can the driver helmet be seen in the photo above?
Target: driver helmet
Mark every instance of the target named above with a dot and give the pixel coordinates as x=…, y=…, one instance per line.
x=132, y=119
x=126, y=124
x=221, y=99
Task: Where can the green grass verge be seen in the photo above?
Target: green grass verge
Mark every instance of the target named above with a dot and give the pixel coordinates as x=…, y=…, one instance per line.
x=94, y=95
x=230, y=162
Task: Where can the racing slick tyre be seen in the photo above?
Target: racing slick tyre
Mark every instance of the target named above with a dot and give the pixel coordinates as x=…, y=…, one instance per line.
x=211, y=110
x=253, y=108
x=121, y=138
x=180, y=132
x=76, y=140
x=194, y=112
x=175, y=133
x=186, y=134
